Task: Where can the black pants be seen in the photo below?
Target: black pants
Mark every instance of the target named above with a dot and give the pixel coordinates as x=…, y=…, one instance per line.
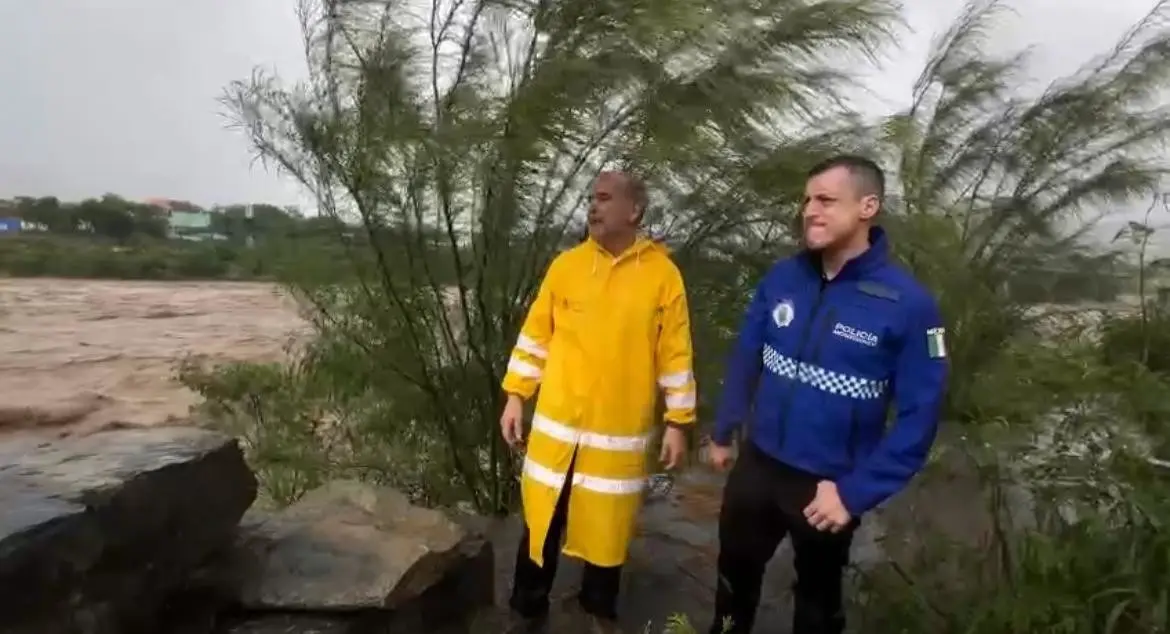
x=763, y=502
x=531, y=583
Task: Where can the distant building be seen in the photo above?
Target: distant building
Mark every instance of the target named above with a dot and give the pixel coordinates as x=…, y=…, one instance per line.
x=11, y=225
x=185, y=221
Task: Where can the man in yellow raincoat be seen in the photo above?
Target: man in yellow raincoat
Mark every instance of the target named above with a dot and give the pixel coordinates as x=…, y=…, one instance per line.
x=607, y=329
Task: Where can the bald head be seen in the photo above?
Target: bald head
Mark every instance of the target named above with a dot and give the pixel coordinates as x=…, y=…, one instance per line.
x=618, y=204
x=631, y=185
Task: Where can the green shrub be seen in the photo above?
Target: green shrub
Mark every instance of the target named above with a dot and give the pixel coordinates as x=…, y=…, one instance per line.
x=281, y=425
x=1139, y=339
x=1076, y=507
x=1101, y=574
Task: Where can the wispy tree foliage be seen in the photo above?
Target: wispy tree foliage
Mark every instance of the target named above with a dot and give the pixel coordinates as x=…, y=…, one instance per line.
x=477, y=125
x=458, y=141
x=997, y=185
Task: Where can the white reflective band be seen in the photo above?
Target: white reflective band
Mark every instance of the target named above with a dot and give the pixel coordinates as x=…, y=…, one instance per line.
x=685, y=400
x=568, y=435
x=824, y=379
x=529, y=345
x=554, y=480
x=523, y=368
x=675, y=381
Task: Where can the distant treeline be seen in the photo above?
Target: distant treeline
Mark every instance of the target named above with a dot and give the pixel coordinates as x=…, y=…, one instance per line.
x=116, y=218
x=112, y=237
x=115, y=238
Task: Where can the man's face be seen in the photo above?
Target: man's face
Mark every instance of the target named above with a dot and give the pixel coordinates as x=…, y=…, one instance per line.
x=834, y=209
x=612, y=211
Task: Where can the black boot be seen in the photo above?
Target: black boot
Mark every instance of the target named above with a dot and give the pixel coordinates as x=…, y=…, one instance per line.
x=814, y=615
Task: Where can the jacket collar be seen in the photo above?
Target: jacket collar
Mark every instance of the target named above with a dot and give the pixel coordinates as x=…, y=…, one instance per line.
x=859, y=267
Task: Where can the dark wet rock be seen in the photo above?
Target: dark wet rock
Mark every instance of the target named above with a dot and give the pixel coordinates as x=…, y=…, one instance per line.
x=353, y=558
x=97, y=532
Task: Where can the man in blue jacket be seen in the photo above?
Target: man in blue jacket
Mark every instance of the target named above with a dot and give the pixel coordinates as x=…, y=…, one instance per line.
x=831, y=336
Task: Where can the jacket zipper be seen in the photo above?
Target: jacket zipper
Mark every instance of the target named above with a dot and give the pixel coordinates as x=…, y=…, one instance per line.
x=852, y=437
x=808, y=329
x=826, y=325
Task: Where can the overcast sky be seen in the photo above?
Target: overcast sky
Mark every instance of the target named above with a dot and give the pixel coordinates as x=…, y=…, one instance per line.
x=120, y=95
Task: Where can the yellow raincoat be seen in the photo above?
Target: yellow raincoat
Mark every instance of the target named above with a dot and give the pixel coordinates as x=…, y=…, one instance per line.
x=602, y=335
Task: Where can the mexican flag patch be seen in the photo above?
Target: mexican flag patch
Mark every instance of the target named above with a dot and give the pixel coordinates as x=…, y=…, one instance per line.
x=936, y=343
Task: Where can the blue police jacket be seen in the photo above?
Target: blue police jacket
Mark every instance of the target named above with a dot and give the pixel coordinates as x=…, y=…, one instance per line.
x=818, y=361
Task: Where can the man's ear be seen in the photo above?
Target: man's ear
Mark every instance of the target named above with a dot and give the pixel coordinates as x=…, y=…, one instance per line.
x=870, y=205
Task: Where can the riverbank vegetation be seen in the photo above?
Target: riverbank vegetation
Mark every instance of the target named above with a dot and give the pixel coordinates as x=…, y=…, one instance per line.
x=115, y=238
x=477, y=142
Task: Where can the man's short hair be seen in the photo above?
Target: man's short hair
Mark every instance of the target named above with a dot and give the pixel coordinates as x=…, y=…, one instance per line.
x=867, y=177
x=636, y=189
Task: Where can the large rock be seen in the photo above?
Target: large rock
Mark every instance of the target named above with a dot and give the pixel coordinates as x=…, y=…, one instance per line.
x=352, y=557
x=97, y=532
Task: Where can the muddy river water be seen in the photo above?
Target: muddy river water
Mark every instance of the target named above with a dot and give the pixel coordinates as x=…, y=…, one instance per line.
x=80, y=355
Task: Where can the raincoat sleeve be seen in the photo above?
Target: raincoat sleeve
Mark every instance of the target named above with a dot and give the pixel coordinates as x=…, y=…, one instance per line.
x=919, y=382
x=674, y=354
x=526, y=365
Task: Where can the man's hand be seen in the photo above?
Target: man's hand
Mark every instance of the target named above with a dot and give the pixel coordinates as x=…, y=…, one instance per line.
x=826, y=512
x=512, y=421
x=720, y=456
x=674, y=447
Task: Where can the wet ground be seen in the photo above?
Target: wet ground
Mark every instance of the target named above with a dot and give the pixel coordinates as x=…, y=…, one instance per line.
x=671, y=569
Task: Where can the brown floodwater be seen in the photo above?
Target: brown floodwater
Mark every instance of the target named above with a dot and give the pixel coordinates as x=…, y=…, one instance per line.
x=82, y=355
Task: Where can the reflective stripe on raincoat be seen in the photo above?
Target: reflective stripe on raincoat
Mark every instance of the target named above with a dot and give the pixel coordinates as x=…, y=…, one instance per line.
x=603, y=335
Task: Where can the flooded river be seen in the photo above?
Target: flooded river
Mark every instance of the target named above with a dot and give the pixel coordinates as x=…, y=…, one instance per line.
x=80, y=355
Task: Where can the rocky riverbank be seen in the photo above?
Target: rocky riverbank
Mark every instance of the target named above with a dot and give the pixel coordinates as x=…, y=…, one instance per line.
x=150, y=531
x=144, y=531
